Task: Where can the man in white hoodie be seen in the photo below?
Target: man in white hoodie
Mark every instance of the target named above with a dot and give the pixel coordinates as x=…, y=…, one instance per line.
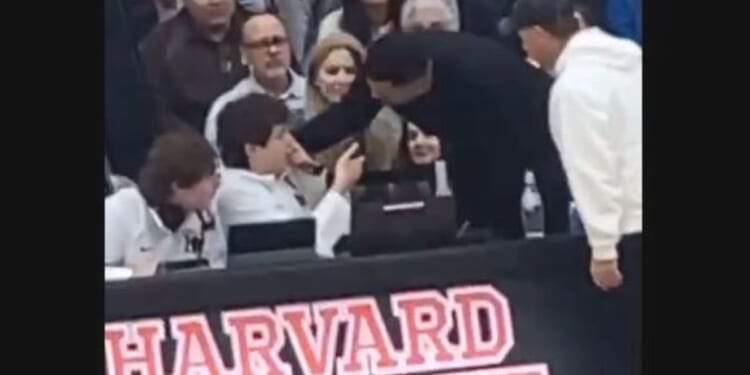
x=596, y=121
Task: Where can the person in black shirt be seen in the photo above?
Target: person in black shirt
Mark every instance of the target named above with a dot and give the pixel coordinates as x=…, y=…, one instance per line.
x=483, y=100
x=193, y=58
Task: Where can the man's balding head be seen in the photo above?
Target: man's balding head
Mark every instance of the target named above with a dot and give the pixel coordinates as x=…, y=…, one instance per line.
x=265, y=45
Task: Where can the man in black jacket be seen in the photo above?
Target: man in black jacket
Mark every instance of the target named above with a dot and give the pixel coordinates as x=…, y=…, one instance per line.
x=484, y=102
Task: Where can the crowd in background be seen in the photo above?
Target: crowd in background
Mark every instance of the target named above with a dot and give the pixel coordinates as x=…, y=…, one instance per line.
x=241, y=82
x=131, y=114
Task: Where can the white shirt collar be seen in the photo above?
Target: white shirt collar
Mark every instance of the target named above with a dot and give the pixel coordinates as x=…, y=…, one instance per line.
x=296, y=89
x=155, y=224
x=265, y=179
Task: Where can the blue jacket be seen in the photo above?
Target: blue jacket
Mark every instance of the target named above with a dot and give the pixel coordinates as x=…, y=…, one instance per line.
x=624, y=19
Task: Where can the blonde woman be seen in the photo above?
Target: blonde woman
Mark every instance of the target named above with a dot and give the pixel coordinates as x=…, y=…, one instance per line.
x=336, y=61
x=334, y=64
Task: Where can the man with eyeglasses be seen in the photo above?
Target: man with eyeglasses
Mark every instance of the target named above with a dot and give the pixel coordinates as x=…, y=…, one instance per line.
x=265, y=48
x=193, y=58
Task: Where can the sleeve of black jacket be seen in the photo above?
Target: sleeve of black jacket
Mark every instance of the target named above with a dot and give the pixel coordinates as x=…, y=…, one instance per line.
x=351, y=115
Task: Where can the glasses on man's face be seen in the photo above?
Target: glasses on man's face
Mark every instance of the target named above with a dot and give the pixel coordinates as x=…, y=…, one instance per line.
x=274, y=41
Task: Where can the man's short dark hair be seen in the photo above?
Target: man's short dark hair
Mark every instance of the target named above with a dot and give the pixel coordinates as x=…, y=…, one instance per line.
x=181, y=157
x=249, y=120
x=557, y=17
x=397, y=58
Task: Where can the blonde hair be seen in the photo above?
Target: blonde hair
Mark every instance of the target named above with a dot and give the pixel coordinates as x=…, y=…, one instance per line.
x=315, y=101
x=376, y=141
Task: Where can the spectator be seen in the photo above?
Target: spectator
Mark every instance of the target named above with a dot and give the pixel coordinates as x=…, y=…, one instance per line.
x=415, y=15
x=596, y=121
x=482, y=100
x=336, y=61
x=300, y=17
x=478, y=17
x=266, y=49
x=168, y=216
x=366, y=20
x=193, y=58
x=258, y=154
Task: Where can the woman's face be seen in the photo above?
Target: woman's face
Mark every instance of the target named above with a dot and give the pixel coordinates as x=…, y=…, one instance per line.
x=336, y=74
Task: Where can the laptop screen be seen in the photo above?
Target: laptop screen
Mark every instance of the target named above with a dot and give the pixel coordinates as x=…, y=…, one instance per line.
x=263, y=237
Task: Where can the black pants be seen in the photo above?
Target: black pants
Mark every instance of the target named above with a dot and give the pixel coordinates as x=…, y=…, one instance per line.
x=554, y=190
x=488, y=191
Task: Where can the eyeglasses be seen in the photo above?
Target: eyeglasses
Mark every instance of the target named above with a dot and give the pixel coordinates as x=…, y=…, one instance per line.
x=266, y=42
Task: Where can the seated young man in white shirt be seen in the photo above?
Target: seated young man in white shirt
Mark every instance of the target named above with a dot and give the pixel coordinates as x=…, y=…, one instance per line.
x=261, y=158
x=169, y=216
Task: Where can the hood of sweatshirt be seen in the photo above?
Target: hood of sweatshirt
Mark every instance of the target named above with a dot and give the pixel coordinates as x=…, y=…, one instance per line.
x=592, y=46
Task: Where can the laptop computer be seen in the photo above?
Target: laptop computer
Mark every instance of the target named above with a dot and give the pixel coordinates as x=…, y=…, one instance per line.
x=274, y=243
x=398, y=211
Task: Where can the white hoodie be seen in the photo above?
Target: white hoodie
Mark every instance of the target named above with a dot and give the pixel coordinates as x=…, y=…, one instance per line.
x=596, y=122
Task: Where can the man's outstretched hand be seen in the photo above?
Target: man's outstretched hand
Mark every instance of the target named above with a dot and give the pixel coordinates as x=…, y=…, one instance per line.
x=298, y=157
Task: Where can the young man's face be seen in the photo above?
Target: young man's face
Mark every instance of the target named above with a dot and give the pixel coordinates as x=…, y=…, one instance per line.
x=273, y=158
x=540, y=46
x=199, y=196
x=266, y=47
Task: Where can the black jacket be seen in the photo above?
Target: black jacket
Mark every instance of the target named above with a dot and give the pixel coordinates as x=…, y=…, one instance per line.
x=481, y=17
x=490, y=109
x=188, y=71
x=130, y=112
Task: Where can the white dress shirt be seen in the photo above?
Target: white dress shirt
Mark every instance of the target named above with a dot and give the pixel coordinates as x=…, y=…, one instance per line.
x=136, y=238
x=294, y=98
x=246, y=198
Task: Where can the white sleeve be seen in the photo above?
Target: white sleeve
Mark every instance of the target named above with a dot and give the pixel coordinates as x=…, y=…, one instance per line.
x=117, y=232
x=332, y=220
x=584, y=139
x=211, y=131
x=312, y=187
x=247, y=206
